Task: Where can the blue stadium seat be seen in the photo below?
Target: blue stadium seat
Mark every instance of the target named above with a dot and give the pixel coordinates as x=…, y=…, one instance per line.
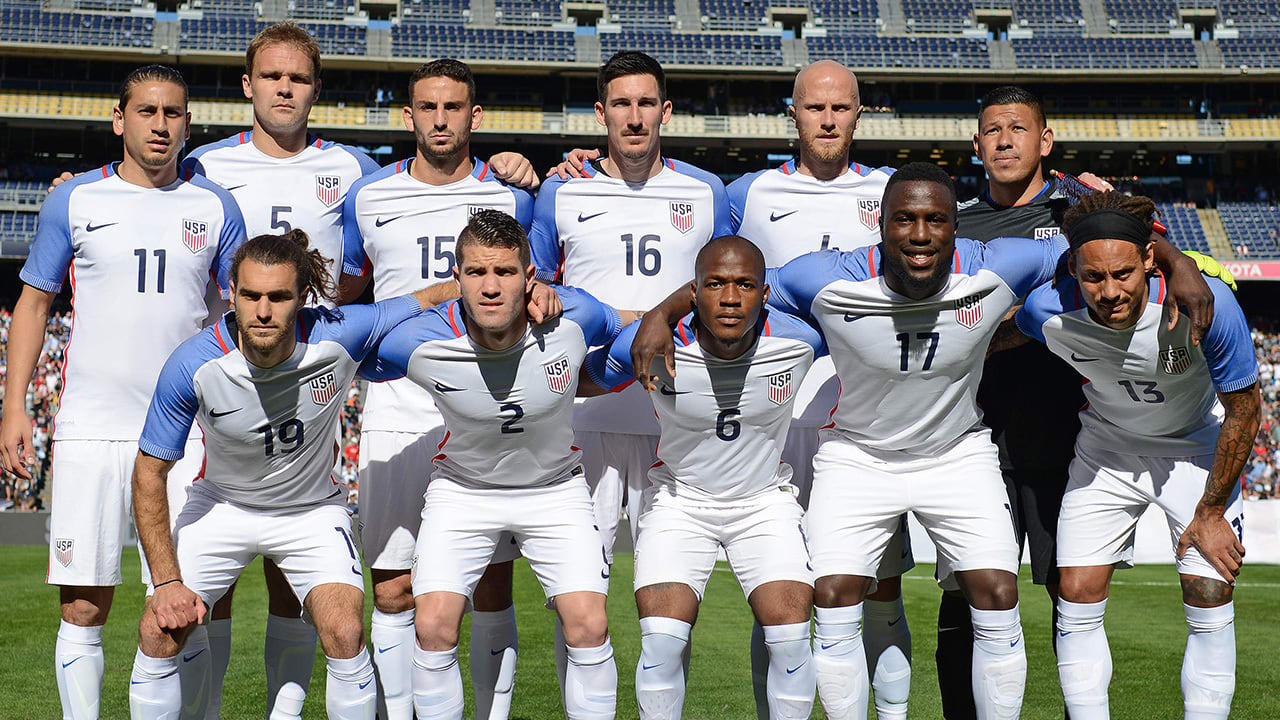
x=1253, y=228
x=532, y=45
x=1104, y=52
x=698, y=48
x=914, y=51
x=528, y=13
x=1185, y=230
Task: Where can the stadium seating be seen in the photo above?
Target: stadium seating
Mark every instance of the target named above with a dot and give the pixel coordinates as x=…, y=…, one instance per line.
x=734, y=14
x=1104, y=52
x=641, y=14
x=912, y=52
x=219, y=33
x=17, y=226
x=698, y=48
x=1142, y=16
x=846, y=16
x=35, y=25
x=1049, y=17
x=1252, y=18
x=467, y=43
x=1256, y=52
x=937, y=16
x=1185, y=230
x=22, y=195
x=528, y=13
x=1254, y=229
x=452, y=12
x=321, y=9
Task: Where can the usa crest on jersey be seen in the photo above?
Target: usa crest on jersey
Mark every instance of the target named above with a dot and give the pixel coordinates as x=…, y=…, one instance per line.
x=323, y=389
x=869, y=212
x=1046, y=233
x=473, y=209
x=780, y=387
x=969, y=311
x=1175, y=361
x=195, y=234
x=328, y=189
x=682, y=216
x=62, y=548
x=559, y=375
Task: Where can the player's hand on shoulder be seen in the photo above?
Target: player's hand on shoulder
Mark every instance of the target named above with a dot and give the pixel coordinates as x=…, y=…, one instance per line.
x=515, y=169
x=1187, y=288
x=1210, y=266
x=653, y=338
x=573, y=163
x=65, y=176
x=175, y=606
x=544, y=303
x=1211, y=534
x=16, y=453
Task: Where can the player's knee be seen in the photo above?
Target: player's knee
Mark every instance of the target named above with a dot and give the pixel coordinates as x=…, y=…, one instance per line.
x=86, y=606
x=156, y=642
x=840, y=590
x=1080, y=587
x=435, y=632
x=1204, y=592
x=586, y=624
x=344, y=638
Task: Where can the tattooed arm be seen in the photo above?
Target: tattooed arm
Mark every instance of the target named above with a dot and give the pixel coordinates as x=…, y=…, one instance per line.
x=1209, y=531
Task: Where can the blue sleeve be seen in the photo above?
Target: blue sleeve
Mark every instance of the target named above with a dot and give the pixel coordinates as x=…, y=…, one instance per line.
x=600, y=323
x=232, y=237
x=192, y=165
x=793, y=287
x=354, y=260
x=610, y=366
x=51, y=252
x=174, y=403
x=1228, y=346
x=389, y=358
x=368, y=165
x=1022, y=263
x=789, y=326
x=544, y=238
x=1033, y=314
x=724, y=222
x=737, y=194
x=524, y=207
x=362, y=327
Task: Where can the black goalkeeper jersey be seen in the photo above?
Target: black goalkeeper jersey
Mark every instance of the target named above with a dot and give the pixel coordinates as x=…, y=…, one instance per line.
x=1029, y=397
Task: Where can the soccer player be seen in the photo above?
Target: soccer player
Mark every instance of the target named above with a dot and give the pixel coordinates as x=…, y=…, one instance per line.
x=505, y=388
x=907, y=323
x=718, y=482
x=140, y=240
x=627, y=232
x=824, y=201
x=1168, y=422
x=265, y=383
x=401, y=230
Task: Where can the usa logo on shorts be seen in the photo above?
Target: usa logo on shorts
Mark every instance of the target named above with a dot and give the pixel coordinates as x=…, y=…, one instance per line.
x=682, y=216
x=195, y=233
x=323, y=389
x=780, y=387
x=328, y=189
x=1175, y=360
x=559, y=375
x=62, y=548
x=869, y=213
x=1046, y=233
x=969, y=311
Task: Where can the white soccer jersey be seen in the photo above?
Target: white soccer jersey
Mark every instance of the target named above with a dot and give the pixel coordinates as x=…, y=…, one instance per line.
x=268, y=431
x=787, y=214
x=909, y=369
x=629, y=244
x=1149, y=390
x=404, y=232
x=278, y=194
x=139, y=260
x=724, y=422
x=507, y=411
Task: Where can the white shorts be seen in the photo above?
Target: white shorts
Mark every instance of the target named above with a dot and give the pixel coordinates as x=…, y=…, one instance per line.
x=680, y=538
x=1106, y=494
x=859, y=499
x=617, y=473
x=216, y=540
x=552, y=524
x=92, y=507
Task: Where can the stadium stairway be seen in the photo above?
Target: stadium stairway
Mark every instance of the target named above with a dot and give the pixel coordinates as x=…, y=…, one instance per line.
x=484, y=12
x=1000, y=54
x=1208, y=55
x=1095, y=18
x=688, y=15
x=1215, y=233
x=893, y=16
x=587, y=48
x=795, y=52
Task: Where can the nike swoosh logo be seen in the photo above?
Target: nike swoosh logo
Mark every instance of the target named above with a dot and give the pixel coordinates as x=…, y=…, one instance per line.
x=446, y=388
x=649, y=667
x=1064, y=634
x=792, y=670
x=92, y=228
x=215, y=413
x=189, y=658
x=365, y=684
x=1014, y=643
x=137, y=682
x=1080, y=359
x=850, y=317
x=668, y=391
x=356, y=569
x=236, y=187
x=69, y=664
x=499, y=651
x=379, y=222
x=826, y=646
x=895, y=622
x=775, y=217
x=388, y=649
x=584, y=218
x=604, y=574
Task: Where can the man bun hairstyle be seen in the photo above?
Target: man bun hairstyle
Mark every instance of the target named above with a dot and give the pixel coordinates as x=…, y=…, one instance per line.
x=449, y=68
x=1011, y=95
x=284, y=33
x=1111, y=214
x=494, y=229
x=151, y=73
x=290, y=248
x=630, y=62
x=920, y=172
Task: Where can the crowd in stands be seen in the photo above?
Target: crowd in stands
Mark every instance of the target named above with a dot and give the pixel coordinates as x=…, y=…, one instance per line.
x=1260, y=474
x=42, y=399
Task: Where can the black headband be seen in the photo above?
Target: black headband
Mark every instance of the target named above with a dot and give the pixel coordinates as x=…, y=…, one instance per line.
x=1111, y=225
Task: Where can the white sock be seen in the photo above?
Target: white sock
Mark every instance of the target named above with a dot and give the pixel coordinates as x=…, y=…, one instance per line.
x=194, y=674
x=289, y=653
x=493, y=662
x=1209, y=665
x=591, y=683
x=659, y=672
x=888, y=642
x=78, y=664
x=999, y=663
x=437, y=684
x=154, y=689
x=760, y=671
x=792, y=678
x=219, y=658
x=350, y=693
x=1084, y=659
x=289, y=702
x=840, y=662
x=393, y=641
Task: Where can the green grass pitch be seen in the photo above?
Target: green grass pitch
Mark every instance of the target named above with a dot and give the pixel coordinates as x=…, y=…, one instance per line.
x=1144, y=623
